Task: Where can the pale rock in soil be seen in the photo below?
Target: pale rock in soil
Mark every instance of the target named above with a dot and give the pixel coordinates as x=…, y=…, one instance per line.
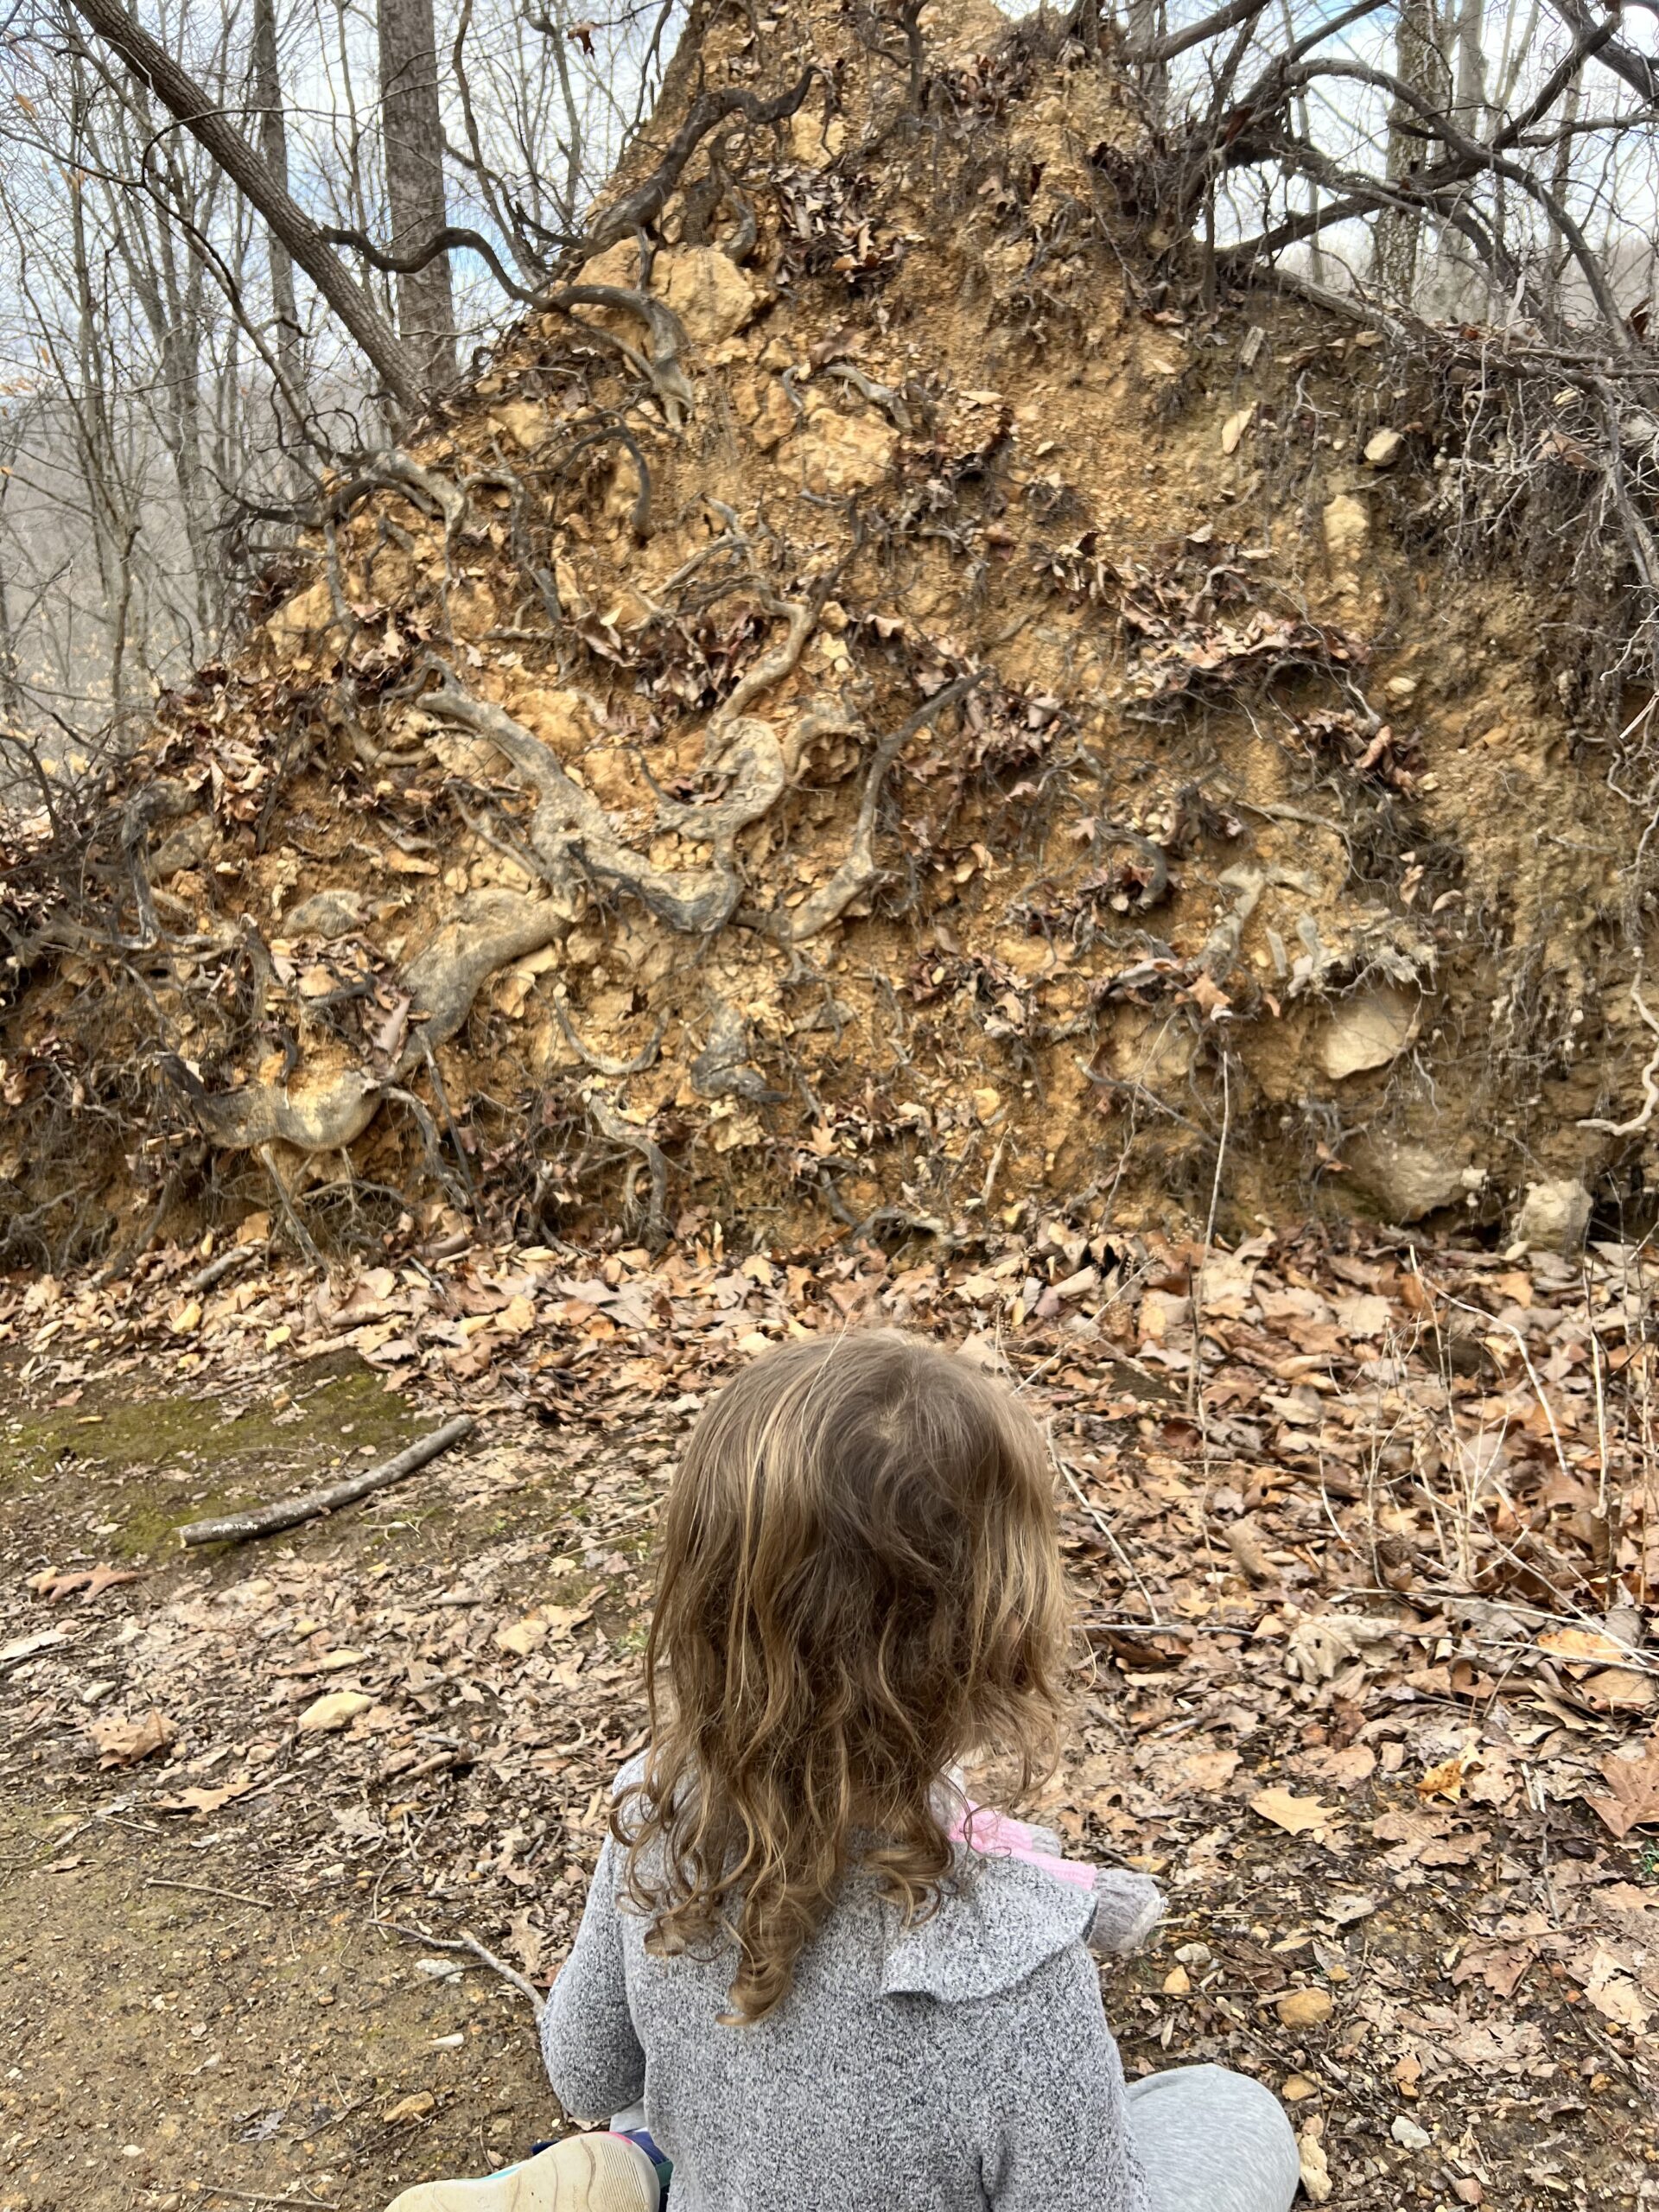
x=813, y=140
x=1304, y=2008
x=188, y=847
x=327, y=1714
x=1383, y=450
x=327, y=914
x=713, y=297
x=1316, y=2171
x=1408, y=1177
x=843, y=452
x=1554, y=1217
x=1347, y=528
x=521, y=420
x=1368, y=1029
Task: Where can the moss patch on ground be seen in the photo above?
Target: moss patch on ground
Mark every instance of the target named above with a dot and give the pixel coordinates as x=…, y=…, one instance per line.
x=139, y=1467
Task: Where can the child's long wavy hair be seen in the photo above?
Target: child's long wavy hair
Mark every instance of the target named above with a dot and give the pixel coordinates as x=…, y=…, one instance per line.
x=861, y=1586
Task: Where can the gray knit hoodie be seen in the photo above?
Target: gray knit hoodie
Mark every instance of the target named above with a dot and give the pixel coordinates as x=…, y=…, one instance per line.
x=958, y=2063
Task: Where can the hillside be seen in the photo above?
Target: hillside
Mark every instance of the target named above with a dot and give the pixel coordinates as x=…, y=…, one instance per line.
x=897, y=713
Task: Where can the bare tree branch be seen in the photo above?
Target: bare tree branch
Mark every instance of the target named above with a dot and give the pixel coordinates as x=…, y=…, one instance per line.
x=151, y=63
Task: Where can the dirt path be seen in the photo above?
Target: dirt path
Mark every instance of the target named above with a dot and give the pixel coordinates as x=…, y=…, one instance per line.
x=229, y=1781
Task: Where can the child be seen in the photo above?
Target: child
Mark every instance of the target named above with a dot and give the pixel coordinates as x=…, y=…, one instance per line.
x=824, y=1979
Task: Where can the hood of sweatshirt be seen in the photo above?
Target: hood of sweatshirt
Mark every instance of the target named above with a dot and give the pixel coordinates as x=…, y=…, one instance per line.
x=997, y=1923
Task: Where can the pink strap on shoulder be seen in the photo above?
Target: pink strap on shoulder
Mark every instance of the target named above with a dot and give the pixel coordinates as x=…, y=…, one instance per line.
x=995, y=1835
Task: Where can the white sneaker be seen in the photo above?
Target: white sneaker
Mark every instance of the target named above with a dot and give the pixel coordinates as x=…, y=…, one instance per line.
x=584, y=2173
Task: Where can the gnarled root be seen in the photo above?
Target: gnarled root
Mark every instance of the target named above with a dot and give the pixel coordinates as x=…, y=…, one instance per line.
x=661, y=368
x=741, y=746
x=609, y=1123
x=858, y=871
x=319, y=1118
x=163, y=799
x=571, y=825
x=642, y=1059
x=721, y=1069
x=489, y=929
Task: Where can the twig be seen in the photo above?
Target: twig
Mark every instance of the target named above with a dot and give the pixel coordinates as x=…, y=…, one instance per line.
x=301, y=1234
x=1195, y=1381
x=479, y=1951
x=333, y=2121
x=216, y=1270
x=289, y=1512
x=203, y=1890
x=1123, y=1558
x=252, y=2197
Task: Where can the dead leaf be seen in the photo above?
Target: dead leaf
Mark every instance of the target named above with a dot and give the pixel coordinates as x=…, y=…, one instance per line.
x=1500, y=1966
x=1632, y=1776
x=197, y=1800
x=122, y=1742
x=1610, y=1988
x=1304, y=2008
x=1346, y=1909
x=1582, y=1643
x=1364, y=1316
x=334, y=1711
x=1446, y=1779
x=1296, y=1815
x=1209, y=1771
x=1346, y=1766
x=107, y=1578
x=546, y=1623
x=1617, y=1689
x=25, y=1647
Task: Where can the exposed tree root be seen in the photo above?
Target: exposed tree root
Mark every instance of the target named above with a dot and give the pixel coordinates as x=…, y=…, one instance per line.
x=610, y=1123
x=489, y=928
x=721, y=1069
x=642, y=1059
x=638, y=209
x=661, y=367
x=858, y=871
x=1649, y=1080
x=570, y=827
x=321, y=1119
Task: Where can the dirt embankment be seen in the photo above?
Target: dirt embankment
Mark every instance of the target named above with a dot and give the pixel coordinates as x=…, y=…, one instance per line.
x=892, y=715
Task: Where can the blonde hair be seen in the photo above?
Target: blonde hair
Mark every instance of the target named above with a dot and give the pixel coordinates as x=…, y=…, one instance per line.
x=861, y=1586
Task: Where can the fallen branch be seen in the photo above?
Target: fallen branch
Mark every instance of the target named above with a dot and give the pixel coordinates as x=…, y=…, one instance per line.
x=216, y=1270
x=289, y=1512
x=479, y=1951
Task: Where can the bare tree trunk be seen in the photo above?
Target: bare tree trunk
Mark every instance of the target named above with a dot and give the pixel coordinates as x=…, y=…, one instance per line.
x=178, y=92
x=273, y=145
x=1472, y=62
x=1561, y=179
x=1146, y=23
x=412, y=129
x=97, y=446
x=1418, y=62
x=12, y=704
